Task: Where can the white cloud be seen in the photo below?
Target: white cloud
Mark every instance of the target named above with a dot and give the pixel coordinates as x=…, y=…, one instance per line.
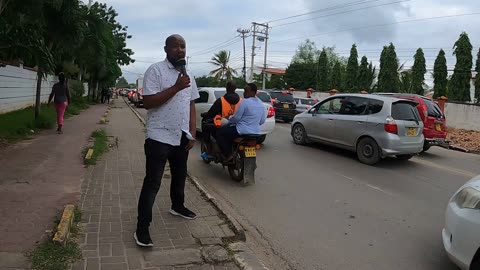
x=207, y=23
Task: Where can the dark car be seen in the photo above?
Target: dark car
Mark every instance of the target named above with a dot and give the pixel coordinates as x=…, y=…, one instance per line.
x=284, y=104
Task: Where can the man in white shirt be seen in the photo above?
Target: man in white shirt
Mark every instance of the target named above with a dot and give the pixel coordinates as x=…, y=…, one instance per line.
x=169, y=96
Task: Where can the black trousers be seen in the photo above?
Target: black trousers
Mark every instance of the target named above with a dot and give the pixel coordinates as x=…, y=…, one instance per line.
x=225, y=137
x=157, y=154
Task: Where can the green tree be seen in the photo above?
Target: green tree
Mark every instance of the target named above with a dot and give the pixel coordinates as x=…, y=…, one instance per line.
x=322, y=74
x=405, y=81
x=221, y=61
x=388, y=79
x=306, y=52
x=121, y=83
x=366, y=75
x=352, y=71
x=418, y=73
x=459, y=86
x=477, y=78
x=300, y=75
x=440, y=75
x=336, y=76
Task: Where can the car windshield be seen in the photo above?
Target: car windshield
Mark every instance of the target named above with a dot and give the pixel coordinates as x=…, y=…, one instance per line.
x=283, y=97
x=264, y=97
x=404, y=111
x=433, y=109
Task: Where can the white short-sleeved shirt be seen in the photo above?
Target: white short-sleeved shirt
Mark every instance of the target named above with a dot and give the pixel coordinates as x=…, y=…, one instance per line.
x=166, y=122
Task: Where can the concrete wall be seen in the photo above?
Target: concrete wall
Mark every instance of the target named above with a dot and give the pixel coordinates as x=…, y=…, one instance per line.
x=18, y=88
x=464, y=116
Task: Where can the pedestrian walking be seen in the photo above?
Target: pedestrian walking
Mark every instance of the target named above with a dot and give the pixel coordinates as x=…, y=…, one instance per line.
x=61, y=98
x=168, y=95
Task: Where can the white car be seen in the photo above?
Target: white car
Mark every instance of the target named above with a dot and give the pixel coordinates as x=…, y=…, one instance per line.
x=461, y=235
x=208, y=95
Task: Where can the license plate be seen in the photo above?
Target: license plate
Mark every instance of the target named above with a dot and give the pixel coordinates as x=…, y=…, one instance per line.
x=411, y=131
x=250, y=152
x=286, y=106
x=438, y=127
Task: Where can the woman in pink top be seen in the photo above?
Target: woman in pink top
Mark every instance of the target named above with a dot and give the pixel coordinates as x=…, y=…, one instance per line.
x=61, y=97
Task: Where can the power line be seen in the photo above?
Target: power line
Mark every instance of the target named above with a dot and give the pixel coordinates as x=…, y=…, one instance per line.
x=223, y=44
x=381, y=25
x=325, y=9
x=342, y=12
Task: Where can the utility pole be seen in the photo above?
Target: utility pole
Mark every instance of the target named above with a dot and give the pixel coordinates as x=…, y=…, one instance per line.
x=260, y=32
x=243, y=32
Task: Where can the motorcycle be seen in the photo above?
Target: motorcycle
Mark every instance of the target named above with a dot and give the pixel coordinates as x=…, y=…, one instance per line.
x=242, y=167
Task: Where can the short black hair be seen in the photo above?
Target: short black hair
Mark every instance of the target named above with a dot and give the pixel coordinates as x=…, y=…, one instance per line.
x=172, y=38
x=61, y=76
x=253, y=87
x=231, y=86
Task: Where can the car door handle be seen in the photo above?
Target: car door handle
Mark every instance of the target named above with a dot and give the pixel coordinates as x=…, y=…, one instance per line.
x=360, y=122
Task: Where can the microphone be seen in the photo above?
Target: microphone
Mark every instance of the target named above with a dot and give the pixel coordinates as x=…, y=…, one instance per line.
x=181, y=62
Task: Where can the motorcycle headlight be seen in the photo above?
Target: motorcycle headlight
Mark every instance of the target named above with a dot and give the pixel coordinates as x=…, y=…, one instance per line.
x=468, y=198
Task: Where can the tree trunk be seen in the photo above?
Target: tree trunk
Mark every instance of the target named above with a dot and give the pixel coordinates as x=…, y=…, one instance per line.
x=38, y=93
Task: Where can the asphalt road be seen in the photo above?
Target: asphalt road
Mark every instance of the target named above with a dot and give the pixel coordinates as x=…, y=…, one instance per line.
x=319, y=208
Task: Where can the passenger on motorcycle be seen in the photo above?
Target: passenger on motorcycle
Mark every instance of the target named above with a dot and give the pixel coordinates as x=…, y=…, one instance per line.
x=223, y=107
x=247, y=119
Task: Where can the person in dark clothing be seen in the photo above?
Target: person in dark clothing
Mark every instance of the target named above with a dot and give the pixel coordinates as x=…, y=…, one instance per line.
x=104, y=94
x=61, y=97
x=217, y=108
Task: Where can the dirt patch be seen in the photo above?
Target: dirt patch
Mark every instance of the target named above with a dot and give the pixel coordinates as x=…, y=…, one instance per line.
x=466, y=139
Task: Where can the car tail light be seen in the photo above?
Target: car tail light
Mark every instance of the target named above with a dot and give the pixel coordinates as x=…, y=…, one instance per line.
x=425, y=110
x=271, y=112
x=391, y=126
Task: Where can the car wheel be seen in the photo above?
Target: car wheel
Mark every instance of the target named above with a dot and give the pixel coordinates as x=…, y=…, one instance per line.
x=426, y=146
x=299, y=134
x=368, y=151
x=261, y=139
x=475, y=265
x=404, y=157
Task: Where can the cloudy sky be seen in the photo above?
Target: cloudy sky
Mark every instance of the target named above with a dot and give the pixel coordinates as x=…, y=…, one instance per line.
x=209, y=26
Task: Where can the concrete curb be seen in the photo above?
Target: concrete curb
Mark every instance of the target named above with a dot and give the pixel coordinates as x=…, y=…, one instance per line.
x=89, y=154
x=239, y=230
x=63, y=229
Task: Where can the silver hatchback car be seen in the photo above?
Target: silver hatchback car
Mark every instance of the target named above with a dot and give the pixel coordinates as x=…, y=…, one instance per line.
x=373, y=126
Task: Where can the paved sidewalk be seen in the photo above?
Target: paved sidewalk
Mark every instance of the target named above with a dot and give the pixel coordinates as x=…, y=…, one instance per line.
x=109, y=203
x=37, y=178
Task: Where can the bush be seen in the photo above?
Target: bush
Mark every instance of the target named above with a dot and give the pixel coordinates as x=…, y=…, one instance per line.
x=77, y=90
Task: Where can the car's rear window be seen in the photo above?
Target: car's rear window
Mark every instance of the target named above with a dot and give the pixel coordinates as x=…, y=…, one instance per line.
x=282, y=97
x=404, y=111
x=433, y=109
x=264, y=97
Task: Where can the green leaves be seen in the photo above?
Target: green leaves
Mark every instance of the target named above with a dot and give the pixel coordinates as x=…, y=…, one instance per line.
x=351, y=84
x=223, y=70
x=418, y=73
x=388, y=80
x=459, y=86
x=440, y=74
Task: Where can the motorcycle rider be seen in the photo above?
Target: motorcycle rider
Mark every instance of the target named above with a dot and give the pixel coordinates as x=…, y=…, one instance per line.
x=247, y=119
x=223, y=107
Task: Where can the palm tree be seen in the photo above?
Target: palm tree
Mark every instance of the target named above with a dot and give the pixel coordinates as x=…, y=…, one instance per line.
x=221, y=60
